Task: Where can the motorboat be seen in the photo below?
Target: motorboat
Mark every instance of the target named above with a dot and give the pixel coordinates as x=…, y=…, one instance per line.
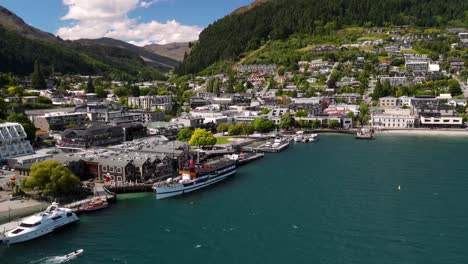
x=313, y=138
x=73, y=254
x=40, y=224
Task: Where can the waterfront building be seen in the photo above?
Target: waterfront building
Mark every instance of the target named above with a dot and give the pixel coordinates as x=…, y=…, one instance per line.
x=394, y=118
x=100, y=135
x=13, y=141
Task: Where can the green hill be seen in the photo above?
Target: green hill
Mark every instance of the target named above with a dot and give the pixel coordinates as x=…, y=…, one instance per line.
x=21, y=45
x=250, y=27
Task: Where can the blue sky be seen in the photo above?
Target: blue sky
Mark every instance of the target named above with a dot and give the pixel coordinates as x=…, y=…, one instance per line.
x=136, y=21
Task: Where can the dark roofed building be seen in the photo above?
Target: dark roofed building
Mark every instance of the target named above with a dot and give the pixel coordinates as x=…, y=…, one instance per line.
x=94, y=136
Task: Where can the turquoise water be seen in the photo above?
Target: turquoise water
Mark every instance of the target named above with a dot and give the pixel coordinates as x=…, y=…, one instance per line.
x=334, y=201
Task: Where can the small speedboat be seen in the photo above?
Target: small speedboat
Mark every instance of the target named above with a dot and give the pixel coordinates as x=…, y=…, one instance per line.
x=74, y=254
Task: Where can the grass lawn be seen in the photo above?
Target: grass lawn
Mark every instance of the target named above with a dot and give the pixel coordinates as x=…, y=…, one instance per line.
x=223, y=140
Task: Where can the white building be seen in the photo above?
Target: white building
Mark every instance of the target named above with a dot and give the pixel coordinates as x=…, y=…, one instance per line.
x=442, y=121
x=13, y=141
x=151, y=103
x=394, y=119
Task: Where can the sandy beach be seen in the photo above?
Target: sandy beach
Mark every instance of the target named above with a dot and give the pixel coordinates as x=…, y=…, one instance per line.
x=425, y=132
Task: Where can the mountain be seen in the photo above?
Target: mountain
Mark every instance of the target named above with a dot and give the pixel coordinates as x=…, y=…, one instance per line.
x=13, y=23
x=21, y=45
x=174, y=51
x=162, y=63
x=248, y=28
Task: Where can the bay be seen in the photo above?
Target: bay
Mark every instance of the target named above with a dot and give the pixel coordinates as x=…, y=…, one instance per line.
x=333, y=201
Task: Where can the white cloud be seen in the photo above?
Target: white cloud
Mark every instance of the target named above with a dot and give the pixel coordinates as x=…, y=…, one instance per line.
x=109, y=18
x=147, y=4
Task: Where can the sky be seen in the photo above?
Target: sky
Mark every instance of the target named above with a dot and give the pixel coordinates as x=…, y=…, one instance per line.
x=140, y=22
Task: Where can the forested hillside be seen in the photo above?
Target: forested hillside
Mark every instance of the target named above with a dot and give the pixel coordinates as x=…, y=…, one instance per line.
x=18, y=53
x=242, y=31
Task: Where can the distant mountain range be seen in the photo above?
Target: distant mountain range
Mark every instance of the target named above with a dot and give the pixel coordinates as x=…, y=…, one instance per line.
x=174, y=51
x=22, y=44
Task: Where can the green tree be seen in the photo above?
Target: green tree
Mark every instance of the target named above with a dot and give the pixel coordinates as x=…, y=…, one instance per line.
x=454, y=87
x=37, y=79
x=265, y=111
x=222, y=128
x=23, y=120
x=316, y=124
x=101, y=92
x=185, y=134
x=333, y=124
x=301, y=113
x=263, y=125
x=363, y=114
x=52, y=178
x=286, y=121
x=202, y=137
x=350, y=115
x=90, y=86
x=15, y=91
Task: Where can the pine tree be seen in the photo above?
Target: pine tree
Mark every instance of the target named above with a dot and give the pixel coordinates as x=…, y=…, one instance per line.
x=90, y=86
x=37, y=79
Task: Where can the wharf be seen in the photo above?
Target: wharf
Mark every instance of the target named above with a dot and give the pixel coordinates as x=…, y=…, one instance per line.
x=130, y=188
x=251, y=158
x=270, y=149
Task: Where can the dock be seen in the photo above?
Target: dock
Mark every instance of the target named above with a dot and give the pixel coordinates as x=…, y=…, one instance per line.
x=251, y=158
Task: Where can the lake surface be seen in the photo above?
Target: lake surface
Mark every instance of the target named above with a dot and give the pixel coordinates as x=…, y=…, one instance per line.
x=333, y=201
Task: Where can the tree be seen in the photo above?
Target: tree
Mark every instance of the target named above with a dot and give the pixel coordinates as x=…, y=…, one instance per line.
x=333, y=124
x=265, y=111
x=23, y=120
x=301, y=113
x=286, y=121
x=37, y=79
x=454, y=87
x=363, y=113
x=222, y=128
x=350, y=115
x=52, y=178
x=90, y=86
x=15, y=91
x=101, y=92
x=185, y=134
x=316, y=124
x=262, y=125
x=202, y=137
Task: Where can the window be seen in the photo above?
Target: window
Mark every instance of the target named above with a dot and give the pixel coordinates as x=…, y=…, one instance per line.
x=111, y=169
x=119, y=170
x=18, y=230
x=69, y=214
x=56, y=217
x=104, y=168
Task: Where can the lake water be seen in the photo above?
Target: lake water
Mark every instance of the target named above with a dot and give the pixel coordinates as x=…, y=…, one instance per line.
x=333, y=201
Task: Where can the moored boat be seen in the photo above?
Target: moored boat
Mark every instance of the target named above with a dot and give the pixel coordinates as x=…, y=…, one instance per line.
x=40, y=224
x=365, y=133
x=313, y=138
x=95, y=205
x=195, y=177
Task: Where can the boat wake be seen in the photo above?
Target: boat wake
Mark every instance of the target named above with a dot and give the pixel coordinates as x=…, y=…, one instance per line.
x=51, y=260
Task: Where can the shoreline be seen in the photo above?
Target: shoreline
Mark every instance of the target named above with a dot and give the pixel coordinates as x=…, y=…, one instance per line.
x=424, y=132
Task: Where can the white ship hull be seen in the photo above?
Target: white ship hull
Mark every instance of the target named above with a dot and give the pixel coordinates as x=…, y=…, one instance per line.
x=44, y=230
x=178, y=189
